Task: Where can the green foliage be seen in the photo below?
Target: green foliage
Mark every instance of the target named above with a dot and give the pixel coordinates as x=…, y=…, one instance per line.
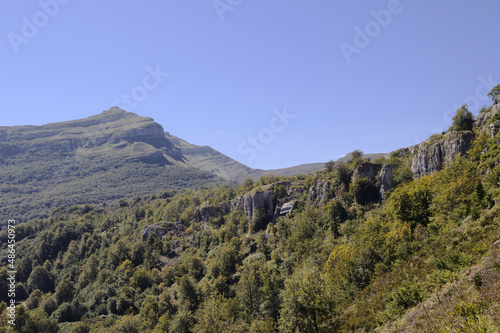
x=40, y=279
x=411, y=202
x=364, y=191
x=403, y=298
x=463, y=120
x=306, y=303
x=494, y=92
x=329, y=266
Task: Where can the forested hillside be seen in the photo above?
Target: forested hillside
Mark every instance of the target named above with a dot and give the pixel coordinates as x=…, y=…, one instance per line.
x=362, y=246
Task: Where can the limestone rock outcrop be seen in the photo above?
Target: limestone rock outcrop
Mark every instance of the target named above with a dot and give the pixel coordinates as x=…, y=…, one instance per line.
x=429, y=158
x=319, y=192
x=366, y=170
x=205, y=213
x=257, y=202
x=386, y=180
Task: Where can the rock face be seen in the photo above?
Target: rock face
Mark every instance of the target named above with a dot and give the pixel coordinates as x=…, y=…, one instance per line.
x=366, y=170
x=205, y=213
x=380, y=175
x=263, y=201
x=429, y=158
x=385, y=180
x=161, y=230
x=319, y=193
x=260, y=201
x=494, y=127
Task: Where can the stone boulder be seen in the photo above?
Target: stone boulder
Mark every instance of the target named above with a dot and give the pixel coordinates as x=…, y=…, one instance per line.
x=285, y=209
x=161, y=230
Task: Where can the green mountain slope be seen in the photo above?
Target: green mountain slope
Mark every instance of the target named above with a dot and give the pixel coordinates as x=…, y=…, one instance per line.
x=390, y=245
x=111, y=156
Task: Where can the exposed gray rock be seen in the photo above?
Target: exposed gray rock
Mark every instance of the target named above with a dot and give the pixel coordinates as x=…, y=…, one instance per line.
x=253, y=202
x=239, y=204
x=205, y=213
x=366, y=170
x=286, y=209
x=225, y=207
x=385, y=180
x=494, y=127
x=319, y=192
x=295, y=192
x=431, y=158
x=161, y=230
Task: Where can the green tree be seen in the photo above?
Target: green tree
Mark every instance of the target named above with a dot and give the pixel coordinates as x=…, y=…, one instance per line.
x=330, y=165
x=182, y=322
x=463, y=120
x=364, y=191
x=150, y=312
x=64, y=291
x=356, y=155
x=494, y=92
x=40, y=279
x=214, y=316
x=188, y=295
x=306, y=303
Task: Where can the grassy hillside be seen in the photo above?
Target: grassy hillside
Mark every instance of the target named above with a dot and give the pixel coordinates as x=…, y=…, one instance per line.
x=427, y=259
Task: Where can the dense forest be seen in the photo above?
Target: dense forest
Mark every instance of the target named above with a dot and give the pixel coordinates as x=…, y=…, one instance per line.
x=426, y=258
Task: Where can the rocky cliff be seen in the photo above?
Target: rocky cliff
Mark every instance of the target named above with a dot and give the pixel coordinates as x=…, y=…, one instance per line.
x=431, y=155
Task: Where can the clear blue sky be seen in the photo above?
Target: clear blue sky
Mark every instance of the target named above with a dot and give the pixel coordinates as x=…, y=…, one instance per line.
x=231, y=68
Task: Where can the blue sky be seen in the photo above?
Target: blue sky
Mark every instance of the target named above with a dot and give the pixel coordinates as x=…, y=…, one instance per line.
x=269, y=83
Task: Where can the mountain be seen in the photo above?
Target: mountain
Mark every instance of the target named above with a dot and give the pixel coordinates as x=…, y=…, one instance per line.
x=103, y=158
x=99, y=159
x=406, y=242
